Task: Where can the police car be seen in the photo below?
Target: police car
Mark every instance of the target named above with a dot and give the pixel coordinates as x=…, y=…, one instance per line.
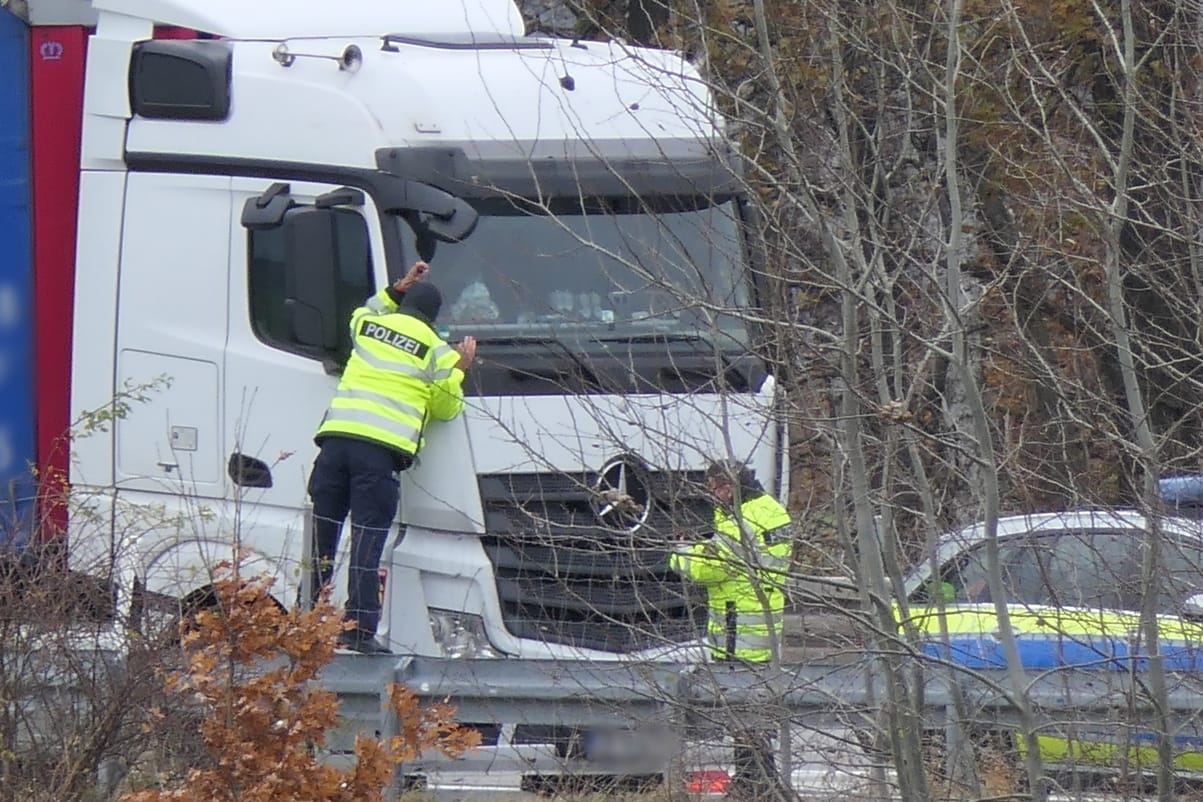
x=1073, y=594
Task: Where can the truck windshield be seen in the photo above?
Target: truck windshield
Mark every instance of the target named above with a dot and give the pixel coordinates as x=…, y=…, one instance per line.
x=597, y=269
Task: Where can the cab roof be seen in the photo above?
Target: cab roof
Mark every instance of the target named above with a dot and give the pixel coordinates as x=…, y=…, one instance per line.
x=299, y=19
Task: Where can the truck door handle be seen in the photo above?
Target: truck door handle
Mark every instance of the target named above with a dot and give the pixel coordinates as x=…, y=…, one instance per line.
x=248, y=471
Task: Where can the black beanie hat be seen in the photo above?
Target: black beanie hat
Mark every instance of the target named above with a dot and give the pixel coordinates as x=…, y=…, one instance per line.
x=423, y=301
x=736, y=472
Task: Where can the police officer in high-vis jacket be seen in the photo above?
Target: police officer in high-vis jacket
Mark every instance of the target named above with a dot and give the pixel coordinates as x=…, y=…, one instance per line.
x=743, y=567
x=399, y=376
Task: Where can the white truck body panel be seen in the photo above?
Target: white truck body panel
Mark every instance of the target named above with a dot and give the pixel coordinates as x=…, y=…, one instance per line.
x=164, y=245
x=504, y=101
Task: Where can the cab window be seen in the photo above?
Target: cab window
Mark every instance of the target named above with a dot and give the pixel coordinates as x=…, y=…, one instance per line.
x=269, y=274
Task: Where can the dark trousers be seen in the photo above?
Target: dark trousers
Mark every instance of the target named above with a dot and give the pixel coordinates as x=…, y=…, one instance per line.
x=755, y=766
x=755, y=763
x=360, y=478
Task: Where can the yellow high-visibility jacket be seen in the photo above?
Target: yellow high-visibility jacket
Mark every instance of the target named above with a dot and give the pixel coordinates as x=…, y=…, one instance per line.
x=399, y=375
x=743, y=568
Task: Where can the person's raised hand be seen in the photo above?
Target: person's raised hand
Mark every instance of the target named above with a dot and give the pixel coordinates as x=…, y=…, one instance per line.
x=416, y=273
x=467, y=353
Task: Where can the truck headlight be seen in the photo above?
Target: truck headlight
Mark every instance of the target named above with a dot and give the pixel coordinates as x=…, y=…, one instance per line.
x=460, y=634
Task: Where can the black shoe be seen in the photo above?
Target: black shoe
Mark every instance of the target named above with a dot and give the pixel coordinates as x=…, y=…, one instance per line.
x=357, y=641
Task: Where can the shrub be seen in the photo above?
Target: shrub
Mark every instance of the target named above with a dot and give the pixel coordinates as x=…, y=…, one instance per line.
x=251, y=667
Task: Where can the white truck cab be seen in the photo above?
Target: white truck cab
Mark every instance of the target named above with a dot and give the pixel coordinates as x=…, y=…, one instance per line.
x=242, y=191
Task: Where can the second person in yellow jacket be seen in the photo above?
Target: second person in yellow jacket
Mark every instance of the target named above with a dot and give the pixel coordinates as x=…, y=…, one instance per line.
x=743, y=566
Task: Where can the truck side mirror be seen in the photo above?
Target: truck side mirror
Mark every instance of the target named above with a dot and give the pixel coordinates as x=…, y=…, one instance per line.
x=453, y=226
x=311, y=285
x=425, y=243
x=439, y=214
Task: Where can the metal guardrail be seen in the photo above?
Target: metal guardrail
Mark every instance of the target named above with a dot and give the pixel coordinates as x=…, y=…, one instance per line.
x=713, y=696
x=586, y=695
x=687, y=699
x=600, y=694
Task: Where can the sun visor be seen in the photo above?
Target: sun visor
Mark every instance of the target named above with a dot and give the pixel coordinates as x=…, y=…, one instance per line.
x=571, y=169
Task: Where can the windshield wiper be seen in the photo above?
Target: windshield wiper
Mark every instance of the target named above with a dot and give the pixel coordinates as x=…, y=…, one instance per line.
x=671, y=337
x=738, y=364
x=529, y=339
x=657, y=336
x=539, y=339
x=520, y=339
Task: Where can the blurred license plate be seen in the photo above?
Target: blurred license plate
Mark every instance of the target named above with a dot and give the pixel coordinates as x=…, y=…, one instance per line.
x=630, y=749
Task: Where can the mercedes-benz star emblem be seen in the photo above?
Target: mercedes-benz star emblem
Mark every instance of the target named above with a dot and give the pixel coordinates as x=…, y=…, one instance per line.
x=621, y=498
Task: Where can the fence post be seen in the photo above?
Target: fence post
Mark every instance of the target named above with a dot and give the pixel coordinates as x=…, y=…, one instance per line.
x=678, y=715
x=877, y=736
x=306, y=584
x=390, y=726
x=953, y=744
x=785, y=726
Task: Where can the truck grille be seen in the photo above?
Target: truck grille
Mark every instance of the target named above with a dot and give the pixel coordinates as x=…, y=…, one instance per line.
x=563, y=577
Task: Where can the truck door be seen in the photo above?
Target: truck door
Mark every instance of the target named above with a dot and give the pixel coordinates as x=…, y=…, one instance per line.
x=277, y=386
x=171, y=315
x=170, y=334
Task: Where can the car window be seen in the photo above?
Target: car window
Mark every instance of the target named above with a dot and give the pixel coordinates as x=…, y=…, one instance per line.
x=1091, y=569
x=966, y=577
x=270, y=274
x=1071, y=569
x=1182, y=567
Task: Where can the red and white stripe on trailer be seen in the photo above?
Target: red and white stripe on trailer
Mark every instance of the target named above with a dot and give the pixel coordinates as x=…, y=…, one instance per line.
x=58, y=56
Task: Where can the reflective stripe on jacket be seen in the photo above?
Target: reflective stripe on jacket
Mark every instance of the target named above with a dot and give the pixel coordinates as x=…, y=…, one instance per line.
x=399, y=375
x=743, y=569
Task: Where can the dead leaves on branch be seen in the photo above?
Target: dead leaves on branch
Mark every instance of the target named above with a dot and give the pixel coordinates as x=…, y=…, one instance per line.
x=251, y=666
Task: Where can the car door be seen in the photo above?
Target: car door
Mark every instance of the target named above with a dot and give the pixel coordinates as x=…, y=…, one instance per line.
x=1073, y=599
x=1069, y=598
x=1178, y=608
